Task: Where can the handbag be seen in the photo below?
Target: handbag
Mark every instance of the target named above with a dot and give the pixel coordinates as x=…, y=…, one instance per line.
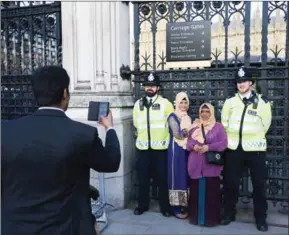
x=213, y=157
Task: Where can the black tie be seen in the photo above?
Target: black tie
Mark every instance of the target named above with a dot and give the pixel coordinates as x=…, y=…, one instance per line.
x=151, y=102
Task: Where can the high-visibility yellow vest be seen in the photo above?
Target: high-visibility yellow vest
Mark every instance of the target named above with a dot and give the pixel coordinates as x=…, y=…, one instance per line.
x=249, y=123
x=151, y=124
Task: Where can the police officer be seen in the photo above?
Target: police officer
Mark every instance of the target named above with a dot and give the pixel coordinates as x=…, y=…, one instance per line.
x=246, y=117
x=150, y=115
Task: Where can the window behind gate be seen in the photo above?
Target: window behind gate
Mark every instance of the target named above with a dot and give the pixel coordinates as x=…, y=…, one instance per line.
x=30, y=37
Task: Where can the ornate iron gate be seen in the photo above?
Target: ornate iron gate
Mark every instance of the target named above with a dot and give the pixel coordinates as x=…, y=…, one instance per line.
x=214, y=83
x=30, y=37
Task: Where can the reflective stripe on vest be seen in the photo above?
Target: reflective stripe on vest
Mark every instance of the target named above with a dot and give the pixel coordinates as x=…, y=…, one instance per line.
x=154, y=144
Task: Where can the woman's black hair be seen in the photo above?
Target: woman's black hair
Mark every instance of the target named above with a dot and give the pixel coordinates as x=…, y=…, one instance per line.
x=205, y=107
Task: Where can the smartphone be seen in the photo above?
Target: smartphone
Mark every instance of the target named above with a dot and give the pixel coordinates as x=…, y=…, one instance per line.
x=96, y=110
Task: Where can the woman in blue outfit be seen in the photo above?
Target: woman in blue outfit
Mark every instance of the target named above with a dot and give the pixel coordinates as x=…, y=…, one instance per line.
x=178, y=180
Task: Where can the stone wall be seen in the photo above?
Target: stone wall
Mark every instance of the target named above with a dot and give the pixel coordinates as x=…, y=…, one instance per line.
x=95, y=44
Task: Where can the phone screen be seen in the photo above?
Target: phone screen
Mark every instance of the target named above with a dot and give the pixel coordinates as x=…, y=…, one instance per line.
x=103, y=110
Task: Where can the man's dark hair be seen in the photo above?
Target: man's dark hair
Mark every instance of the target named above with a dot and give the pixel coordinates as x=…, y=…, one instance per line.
x=48, y=84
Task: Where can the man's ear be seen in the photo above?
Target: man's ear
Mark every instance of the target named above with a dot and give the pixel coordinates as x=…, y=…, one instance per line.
x=65, y=94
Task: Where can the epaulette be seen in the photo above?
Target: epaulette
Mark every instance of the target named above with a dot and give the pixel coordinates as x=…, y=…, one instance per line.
x=264, y=98
x=142, y=98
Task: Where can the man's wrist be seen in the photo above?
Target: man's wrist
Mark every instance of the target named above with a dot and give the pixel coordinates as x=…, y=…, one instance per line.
x=108, y=128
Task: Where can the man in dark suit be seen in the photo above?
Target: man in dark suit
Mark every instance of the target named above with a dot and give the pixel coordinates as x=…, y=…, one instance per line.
x=46, y=160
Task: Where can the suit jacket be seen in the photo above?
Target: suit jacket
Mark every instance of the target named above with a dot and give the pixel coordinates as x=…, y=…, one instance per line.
x=46, y=161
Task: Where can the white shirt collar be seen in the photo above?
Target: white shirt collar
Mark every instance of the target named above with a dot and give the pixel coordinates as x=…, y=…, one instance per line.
x=153, y=98
x=53, y=108
x=248, y=95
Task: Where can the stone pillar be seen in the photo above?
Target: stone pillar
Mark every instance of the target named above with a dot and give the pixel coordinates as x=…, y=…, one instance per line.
x=95, y=44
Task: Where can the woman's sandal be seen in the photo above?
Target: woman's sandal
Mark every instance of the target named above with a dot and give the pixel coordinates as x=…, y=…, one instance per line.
x=181, y=216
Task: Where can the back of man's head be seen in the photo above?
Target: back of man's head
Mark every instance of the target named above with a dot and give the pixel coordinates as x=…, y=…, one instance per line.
x=48, y=84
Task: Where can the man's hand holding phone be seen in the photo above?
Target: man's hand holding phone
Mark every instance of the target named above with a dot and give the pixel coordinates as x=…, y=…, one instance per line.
x=99, y=112
x=106, y=122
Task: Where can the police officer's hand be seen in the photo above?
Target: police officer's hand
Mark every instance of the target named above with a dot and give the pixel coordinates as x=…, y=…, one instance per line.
x=106, y=122
x=135, y=134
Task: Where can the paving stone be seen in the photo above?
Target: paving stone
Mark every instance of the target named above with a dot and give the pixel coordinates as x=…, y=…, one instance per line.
x=119, y=228
x=125, y=222
x=245, y=214
x=173, y=228
x=146, y=218
x=243, y=228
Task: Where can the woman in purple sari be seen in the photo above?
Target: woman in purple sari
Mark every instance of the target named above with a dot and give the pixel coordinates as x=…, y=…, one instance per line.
x=205, y=192
x=179, y=124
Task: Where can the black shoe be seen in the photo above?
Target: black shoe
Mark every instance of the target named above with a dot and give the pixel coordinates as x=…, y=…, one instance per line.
x=140, y=210
x=227, y=220
x=166, y=213
x=262, y=227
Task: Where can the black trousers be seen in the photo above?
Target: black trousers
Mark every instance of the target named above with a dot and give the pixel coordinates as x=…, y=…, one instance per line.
x=234, y=165
x=148, y=162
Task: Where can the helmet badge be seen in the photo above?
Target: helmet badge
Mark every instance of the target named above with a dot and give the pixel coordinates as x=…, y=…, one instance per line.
x=241, y=73
x=151, y=77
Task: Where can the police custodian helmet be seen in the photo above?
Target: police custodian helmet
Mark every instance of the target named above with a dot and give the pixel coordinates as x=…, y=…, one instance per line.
x=244, y=74
x=152, y=80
